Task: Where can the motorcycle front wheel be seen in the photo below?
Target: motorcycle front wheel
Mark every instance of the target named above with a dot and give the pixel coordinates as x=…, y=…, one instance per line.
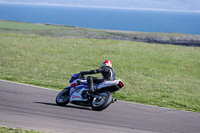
x=103, y=102
x=63, y=98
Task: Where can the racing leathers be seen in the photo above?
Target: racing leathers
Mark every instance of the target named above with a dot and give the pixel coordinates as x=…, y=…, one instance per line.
x=108, y=73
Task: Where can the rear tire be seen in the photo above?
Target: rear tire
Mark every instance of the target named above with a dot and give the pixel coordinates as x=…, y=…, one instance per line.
x=103, y=103
x=63, y=98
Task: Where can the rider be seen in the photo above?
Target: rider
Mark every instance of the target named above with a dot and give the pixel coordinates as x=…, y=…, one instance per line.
x=107, y=72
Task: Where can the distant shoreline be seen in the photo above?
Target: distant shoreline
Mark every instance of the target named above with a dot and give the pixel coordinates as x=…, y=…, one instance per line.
x=136, y=36
x=123, y=8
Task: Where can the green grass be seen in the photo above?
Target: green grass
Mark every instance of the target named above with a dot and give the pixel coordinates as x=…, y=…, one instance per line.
x=12, y=130
x=48, y=30
x=161, y=75
x=25, y=26
x=76, y=32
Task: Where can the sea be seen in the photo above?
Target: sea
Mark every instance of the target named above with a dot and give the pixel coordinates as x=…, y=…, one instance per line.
x=105, y=18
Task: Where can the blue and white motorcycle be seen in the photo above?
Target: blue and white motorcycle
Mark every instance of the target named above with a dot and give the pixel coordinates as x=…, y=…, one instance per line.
x=77, y=93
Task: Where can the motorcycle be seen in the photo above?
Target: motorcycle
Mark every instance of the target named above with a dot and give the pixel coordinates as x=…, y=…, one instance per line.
x=77, y=93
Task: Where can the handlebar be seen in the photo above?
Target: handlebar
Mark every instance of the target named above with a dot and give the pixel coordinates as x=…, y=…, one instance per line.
x=81, y=76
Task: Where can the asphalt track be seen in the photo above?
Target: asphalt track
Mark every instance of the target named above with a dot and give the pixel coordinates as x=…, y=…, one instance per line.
x=29, y=107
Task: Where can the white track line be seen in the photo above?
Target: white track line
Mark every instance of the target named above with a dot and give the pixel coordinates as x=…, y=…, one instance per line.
x=29, y=85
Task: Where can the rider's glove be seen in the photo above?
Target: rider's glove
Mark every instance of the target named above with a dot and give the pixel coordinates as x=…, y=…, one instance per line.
x=82, y=73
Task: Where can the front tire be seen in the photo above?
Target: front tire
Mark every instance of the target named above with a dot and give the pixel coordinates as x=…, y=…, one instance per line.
x=63, y=98
x=103, y=103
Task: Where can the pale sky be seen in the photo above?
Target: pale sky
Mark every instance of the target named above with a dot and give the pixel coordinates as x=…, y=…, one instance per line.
x=187, y=5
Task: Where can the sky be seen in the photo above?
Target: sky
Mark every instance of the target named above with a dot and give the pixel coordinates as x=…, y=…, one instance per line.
x=179, y=5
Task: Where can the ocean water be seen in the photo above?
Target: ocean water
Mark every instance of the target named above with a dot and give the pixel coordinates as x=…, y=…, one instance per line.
x=105, y=18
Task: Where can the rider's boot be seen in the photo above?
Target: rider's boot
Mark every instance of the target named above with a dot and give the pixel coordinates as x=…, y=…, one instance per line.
x=95, y=95
x=90, y=92
x=87, y=94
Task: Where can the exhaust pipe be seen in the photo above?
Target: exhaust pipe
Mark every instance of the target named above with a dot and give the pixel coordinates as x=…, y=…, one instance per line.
x=114, y=100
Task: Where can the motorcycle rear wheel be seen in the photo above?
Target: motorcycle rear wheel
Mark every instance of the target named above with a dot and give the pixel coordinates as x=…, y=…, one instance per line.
x=63, y=98
x=102, y=103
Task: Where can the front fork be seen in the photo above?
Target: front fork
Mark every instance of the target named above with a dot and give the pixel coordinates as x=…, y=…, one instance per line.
x=68, y=87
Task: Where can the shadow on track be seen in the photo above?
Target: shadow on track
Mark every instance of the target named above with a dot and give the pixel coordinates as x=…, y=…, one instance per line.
x=68, y=106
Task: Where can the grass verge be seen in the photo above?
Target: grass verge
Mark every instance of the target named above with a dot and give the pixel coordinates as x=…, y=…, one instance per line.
x=12, y=130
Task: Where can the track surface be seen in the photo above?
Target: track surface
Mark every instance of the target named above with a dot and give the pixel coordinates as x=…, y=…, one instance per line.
x=30, y=107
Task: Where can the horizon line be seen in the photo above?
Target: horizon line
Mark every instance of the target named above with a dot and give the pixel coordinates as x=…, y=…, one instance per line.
x=107, y=7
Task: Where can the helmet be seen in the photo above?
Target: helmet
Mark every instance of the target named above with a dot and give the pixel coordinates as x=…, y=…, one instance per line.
x=107, y=63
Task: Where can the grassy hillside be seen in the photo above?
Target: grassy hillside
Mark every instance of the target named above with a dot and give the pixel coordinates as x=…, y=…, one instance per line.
x=161, y=75
x=60, y=31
